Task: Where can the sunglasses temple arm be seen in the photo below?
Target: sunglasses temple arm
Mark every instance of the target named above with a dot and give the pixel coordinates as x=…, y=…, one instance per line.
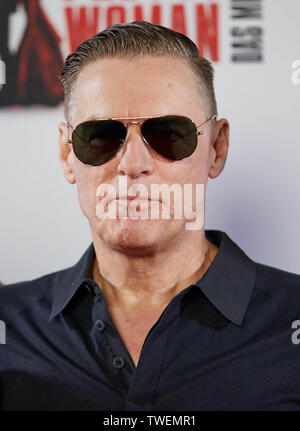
x=68, y=127
x=213, y=117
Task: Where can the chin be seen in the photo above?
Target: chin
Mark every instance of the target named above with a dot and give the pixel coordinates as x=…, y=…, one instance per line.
x=135, y=236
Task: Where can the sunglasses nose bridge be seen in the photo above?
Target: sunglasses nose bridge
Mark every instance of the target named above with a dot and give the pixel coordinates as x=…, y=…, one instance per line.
x=138, y=125
x=133, y=122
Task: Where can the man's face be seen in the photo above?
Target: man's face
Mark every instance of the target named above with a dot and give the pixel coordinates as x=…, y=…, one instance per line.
x=129, y=88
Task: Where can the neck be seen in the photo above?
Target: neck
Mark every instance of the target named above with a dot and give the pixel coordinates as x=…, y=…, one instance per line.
x=152, y=280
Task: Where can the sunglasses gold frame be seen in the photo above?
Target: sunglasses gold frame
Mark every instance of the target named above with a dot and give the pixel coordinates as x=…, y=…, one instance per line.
x=141, y=121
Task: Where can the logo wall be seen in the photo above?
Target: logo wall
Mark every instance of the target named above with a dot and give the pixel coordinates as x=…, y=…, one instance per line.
x=29, y=74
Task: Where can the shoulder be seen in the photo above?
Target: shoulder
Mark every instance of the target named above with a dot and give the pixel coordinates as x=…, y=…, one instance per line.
x=279, y=287
x=24, y=295
x=269, y=276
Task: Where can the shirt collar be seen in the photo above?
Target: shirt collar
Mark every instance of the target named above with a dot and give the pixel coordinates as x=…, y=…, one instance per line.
x=68, y=281
x=228, y=282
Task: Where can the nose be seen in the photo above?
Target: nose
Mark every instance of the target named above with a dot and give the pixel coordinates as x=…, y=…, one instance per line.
x=136, y=158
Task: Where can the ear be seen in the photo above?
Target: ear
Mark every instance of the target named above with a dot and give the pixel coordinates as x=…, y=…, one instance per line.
x=219, y=143
x=65, y=153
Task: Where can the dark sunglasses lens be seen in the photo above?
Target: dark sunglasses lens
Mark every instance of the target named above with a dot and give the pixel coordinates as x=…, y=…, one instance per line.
x=95, y=142
x=172, y=136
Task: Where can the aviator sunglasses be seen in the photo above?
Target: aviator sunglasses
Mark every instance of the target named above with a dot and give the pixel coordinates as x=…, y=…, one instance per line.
x=172, y=136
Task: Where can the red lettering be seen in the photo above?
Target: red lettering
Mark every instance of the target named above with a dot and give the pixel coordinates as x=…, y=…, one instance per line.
x=178, y=19
x=79, y=27
x=138, y=13
x=207, y=31
x=155, y=14
x=115, y=15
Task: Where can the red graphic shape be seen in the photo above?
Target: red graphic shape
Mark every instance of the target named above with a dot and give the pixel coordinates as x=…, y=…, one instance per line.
x=39, y=59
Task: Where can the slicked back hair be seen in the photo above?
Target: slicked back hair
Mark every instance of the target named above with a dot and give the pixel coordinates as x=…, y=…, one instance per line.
x=132, y=40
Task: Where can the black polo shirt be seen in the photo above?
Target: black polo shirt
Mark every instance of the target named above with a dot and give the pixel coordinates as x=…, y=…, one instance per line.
x=228, y=342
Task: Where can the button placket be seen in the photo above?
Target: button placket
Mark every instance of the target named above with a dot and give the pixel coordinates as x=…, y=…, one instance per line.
x=146, y=375
x=99, y=325
x=118, y=362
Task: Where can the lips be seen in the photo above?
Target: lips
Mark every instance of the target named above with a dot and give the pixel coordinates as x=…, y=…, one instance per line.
x=139, y=198
x=108, y=195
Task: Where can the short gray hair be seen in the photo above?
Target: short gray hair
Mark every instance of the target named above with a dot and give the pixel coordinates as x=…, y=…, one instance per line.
x=134, y=39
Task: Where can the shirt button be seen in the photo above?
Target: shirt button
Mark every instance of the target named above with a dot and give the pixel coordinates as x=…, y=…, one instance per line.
x=118, y=362
x=100, y=325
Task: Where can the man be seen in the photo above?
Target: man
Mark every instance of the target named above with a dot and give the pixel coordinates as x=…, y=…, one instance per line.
x=155, y=315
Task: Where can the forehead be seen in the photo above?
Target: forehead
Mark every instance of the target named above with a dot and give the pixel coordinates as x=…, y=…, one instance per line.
x=138, y=86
